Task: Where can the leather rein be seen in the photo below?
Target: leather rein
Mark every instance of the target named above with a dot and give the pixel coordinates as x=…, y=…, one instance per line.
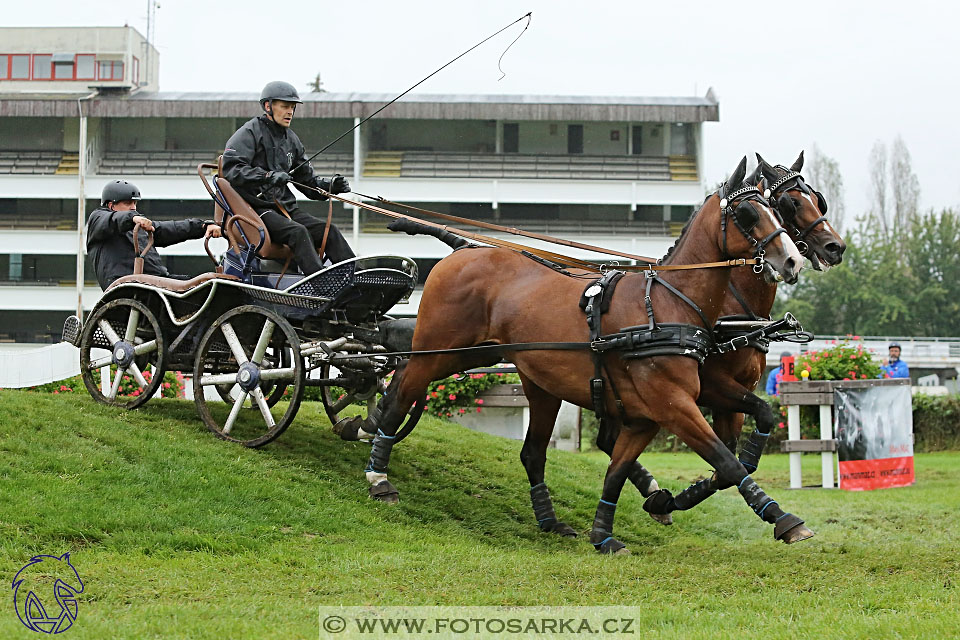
x=650, y=264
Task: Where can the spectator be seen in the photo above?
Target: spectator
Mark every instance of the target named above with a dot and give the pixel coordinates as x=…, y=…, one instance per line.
x=773, y=380
x=893, y=366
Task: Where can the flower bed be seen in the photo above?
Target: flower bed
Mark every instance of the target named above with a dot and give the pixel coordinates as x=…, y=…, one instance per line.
x=458, y=393
x=172, y=386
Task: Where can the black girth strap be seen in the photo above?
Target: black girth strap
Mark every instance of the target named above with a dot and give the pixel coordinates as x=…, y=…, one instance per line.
x=651, y=277
x=743, y=303
x=595, y=302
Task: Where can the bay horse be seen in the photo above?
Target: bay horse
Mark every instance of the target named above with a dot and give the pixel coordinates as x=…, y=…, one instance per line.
x=491, y=296
x=729, y=379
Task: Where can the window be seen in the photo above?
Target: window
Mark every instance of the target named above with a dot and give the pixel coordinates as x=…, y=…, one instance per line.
x=135, y=71
x=637, y=146
x=42, y=66
x=575, y=138
x=111, y=70
x=4, y=66
x=20, y=67
x=511, y=137
x=85, y=66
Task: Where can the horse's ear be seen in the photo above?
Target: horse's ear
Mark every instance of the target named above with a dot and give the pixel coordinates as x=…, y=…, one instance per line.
x=736, y=179
x=747, y=216
x=796, y=166
x=821, y=203
x=754, y=178
x=768, y=172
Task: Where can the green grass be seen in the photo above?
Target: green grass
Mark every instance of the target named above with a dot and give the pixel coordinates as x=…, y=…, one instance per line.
x=178, y=534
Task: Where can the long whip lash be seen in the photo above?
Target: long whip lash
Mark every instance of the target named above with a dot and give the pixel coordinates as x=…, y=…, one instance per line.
x=528, y=16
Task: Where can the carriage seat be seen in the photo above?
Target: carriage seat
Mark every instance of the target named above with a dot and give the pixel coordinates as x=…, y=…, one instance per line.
x=170, y=284
x=249, y=220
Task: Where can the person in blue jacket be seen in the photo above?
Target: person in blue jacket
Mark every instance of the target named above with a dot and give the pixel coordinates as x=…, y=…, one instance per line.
x=773, y=380
x=893, y=366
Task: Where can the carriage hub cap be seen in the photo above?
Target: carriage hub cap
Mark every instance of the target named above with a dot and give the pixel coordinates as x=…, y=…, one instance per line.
x=123, y=354
x=248, y=377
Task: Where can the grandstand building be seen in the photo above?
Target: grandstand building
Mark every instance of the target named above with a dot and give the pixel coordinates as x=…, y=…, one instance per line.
x=80, y=107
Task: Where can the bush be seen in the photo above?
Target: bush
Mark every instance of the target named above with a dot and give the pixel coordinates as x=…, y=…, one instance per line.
x=844, y=360
x=172, y=386
x=458, y=393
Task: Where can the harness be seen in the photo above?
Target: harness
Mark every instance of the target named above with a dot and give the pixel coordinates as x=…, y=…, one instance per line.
x=793, y=180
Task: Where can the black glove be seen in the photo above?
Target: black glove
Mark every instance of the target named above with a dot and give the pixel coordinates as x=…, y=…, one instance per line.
x=277, y=179
x=339, y=185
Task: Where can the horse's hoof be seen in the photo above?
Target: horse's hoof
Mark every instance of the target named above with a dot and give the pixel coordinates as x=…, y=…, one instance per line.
x=790, y=529
x=385, y=492
x=349, y=428
x=659, y=502
x=562, y=529
x=611, y=546
x=662, y=518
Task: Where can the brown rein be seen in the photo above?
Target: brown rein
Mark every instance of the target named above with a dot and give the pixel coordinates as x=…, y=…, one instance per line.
x=542, y=253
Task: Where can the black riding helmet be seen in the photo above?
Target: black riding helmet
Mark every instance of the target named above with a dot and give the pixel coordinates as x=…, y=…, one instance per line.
x=279, y=90
x=118, y=191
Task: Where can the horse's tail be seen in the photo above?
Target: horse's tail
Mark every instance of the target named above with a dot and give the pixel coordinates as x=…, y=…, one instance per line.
x=414, y=228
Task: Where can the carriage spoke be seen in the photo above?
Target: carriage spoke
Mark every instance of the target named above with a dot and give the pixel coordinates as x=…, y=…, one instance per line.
x=221, y=378
x=264, y=407
x=145, y=347
x=278, y=374
x=234, y=342
x=108, y=332
x=265, y=334
x=234, y=411
x=105, y=361
x=138, y=376
x=132, y=323
x=115, y=387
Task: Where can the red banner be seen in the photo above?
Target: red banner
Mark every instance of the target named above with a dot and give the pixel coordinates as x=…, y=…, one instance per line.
x=863, y=475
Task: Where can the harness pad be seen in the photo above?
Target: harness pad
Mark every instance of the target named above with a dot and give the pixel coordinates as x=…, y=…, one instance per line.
x=668, y=339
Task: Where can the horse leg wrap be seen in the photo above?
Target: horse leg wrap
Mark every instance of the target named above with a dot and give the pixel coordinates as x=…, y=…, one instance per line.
x=643, y=480
x=660, y=502
x=601, y=536
x=696, y=493
x=543, y=512
x=380, y=453
x=752, y=449
x=762, y=504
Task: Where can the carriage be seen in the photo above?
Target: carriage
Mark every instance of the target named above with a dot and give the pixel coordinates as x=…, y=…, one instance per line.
x=253, y=335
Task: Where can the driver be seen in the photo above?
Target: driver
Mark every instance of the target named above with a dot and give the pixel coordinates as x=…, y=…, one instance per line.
x=110, y=235
x=261, y=158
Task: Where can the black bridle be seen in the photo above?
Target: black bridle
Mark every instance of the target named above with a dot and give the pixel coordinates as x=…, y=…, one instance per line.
x=793, y=180
x=729, y=203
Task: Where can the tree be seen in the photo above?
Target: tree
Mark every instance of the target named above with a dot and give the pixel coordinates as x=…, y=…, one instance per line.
x=904, y=186
x=316, y=85
x=878, y=186
x=824, y=174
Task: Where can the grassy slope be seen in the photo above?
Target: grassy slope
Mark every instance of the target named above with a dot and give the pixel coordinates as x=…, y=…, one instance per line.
x=178, y=534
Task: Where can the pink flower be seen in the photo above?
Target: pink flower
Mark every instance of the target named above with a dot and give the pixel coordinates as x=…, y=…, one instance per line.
x=463, y=411
x=863, y=376
x=166, y=385
x=452, y=396
x=479, y=400
x=501, y=374
x=846, y=378
x=55, y=391
x=63, y=387
x=478, y=409
x=780, y=425
x=449, y=414
x=856, y=337
x=853, y=357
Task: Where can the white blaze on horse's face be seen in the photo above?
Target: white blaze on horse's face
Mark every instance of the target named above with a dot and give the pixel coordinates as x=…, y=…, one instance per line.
x=789, y=263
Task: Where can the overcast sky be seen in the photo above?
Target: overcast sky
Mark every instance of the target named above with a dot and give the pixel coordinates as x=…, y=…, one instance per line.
x=787, y=74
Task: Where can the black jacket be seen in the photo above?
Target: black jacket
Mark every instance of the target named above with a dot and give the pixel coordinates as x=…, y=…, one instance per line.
x=110, y=243
x=260, y=146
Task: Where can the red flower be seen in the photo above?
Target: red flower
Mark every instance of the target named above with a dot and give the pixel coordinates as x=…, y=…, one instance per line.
x=478, y=409
x=433, y=394
x=441, y=387
x=449, y=414
x=501, y=374
x=863, y=376
x=463, y=410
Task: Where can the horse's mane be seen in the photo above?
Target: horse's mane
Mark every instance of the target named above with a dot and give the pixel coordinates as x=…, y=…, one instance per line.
x=683, y=232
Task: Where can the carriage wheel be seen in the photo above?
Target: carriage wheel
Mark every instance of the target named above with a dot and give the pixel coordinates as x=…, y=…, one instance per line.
x=223, y=361
x=122, y=357
x=272, y=392
x=334, y=403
